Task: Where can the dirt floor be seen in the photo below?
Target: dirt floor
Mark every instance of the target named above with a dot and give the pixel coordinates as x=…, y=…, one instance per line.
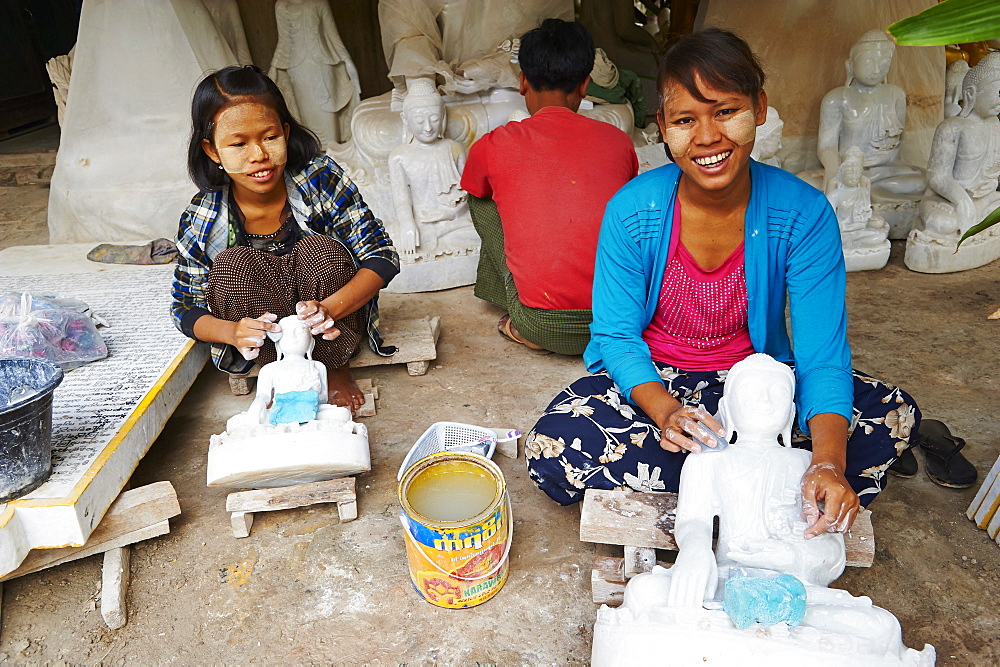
x=304, y=588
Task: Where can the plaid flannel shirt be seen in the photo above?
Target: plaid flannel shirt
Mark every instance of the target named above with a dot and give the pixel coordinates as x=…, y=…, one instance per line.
x=323, y=201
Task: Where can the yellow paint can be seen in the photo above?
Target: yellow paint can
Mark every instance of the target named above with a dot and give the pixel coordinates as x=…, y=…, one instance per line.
x=456, y=517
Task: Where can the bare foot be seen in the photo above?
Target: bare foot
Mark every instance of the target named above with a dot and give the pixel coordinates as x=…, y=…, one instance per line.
x=341, y=389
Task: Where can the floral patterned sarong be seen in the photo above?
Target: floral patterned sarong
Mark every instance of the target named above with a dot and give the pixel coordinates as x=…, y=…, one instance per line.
x=590, y=436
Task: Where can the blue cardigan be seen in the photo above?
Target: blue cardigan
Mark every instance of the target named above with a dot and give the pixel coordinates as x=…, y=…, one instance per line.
x=792, y=247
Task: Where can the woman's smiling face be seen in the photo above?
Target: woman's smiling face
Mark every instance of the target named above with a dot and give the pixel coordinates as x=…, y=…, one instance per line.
x=250, y=143
x=710, y=141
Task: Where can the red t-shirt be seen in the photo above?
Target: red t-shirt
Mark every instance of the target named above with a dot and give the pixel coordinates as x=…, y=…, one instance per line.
x=551, y=176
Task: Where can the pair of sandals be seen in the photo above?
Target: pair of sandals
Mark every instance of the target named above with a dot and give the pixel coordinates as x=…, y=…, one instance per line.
x=943, y=460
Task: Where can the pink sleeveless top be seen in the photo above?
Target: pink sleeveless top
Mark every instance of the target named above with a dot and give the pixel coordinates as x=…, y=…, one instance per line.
x=700, y=323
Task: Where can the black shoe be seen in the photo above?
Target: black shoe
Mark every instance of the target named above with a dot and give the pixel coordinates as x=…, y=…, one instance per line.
x=943, y=460
x=906, y=465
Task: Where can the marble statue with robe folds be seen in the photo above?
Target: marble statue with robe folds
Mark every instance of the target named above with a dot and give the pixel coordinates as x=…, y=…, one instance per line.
x=290, y=434
x=963, y=175
x=226, y=16
x=432, y=213
x=863, y=234
x=870, y=113
x=753, y=486
x=313, y=69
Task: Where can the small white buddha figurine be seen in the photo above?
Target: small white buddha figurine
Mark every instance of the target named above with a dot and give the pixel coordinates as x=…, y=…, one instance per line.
x=313, y=69
x=753, y=487
x=869, y=113
x=432, y=212
x=963, y=174
x=768, y=141
x=293, y=384
x=864, y=235
x=289, y=434
x=953, y=81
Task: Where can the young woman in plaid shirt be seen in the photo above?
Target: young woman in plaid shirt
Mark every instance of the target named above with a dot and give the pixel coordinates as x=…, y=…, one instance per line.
x=277, y=229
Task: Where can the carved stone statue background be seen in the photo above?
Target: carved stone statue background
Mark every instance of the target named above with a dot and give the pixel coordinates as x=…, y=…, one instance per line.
x=869, y=113
x=432, y=214
x=226, y=16
x=313, y=69
x=954, y=79
x=768, y=140
x=864, y=235
x=120, y=172
x=753, y=487
x=963, y=175
x=466, y=50
x=439, y=38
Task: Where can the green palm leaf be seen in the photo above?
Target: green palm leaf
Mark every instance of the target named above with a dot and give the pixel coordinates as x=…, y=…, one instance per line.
x=990, y=220
x=950, y=22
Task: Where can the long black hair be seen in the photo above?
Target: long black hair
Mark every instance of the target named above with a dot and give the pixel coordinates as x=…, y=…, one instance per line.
x=228, y=86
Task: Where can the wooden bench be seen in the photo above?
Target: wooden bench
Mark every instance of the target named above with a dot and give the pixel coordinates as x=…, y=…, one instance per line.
x=644, y=522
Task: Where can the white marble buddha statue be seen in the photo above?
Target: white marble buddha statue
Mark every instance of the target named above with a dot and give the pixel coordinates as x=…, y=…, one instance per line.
x=963, y=175
x=870, y=113
x=432, y=213
x=863, y=234
x=753, y=487
x=290, y=434
x=313, y=69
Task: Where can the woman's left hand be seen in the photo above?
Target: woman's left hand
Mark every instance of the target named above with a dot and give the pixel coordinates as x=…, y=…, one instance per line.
x=318, y=318
x=829, y=504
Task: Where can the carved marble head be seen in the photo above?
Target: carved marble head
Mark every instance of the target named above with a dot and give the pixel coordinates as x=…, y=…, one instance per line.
x=851, y=171
x=759, y=401
x=424, y=115
x=296, y=339
x=981, y=88
x=871, y=57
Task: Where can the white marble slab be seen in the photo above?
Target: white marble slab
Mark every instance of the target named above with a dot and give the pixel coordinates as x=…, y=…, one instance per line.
x=106, y=414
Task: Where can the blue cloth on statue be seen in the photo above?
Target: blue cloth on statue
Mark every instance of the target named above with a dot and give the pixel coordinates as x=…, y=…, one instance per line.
x=764, y=600
x=294, y=407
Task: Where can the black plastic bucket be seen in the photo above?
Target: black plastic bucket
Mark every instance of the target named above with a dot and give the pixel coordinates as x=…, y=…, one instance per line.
x=26, y=387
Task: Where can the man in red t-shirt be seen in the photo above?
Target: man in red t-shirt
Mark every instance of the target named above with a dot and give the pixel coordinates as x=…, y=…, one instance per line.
x=550, y=177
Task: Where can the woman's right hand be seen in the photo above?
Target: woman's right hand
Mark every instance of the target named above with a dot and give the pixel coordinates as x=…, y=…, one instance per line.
x=249, y=334
x=679, y=426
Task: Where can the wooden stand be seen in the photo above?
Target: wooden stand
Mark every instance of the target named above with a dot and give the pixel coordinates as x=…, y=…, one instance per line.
x=137, y=515
x=243, y=504
x=983, y=509
x=644, y=522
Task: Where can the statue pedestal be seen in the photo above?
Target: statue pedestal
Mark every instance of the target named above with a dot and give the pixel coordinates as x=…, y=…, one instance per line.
x=688, y=636
x=926, y=254
x=867, y=259
x=899, y=214
x=262, y=456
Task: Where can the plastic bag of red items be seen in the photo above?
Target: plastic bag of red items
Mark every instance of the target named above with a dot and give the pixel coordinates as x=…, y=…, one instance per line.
x=52, y=328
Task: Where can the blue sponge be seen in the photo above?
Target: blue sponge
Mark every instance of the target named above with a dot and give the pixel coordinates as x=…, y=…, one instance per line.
x=764, y=600
x=294, y=407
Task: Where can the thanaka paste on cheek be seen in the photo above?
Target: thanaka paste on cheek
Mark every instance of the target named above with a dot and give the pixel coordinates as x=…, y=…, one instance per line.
x=678, y=140
x=740, y=128
x=247, y=158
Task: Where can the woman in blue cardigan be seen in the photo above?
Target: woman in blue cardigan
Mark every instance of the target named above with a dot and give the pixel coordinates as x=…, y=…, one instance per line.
x=696, y=263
